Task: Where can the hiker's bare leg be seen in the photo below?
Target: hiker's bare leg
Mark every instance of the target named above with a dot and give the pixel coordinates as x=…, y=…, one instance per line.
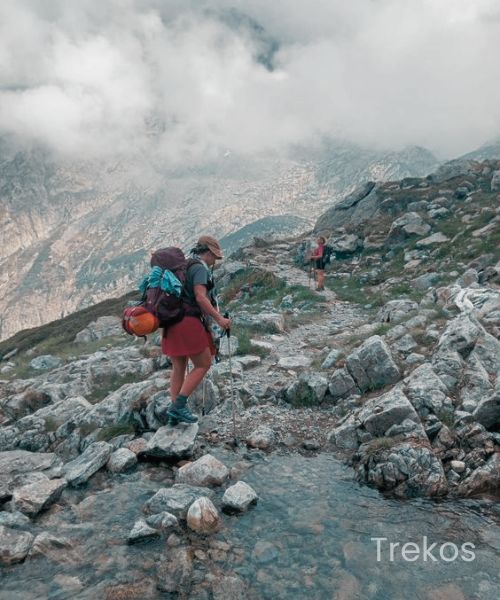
x=201, y=365
x=179, y=364
x=321, y=279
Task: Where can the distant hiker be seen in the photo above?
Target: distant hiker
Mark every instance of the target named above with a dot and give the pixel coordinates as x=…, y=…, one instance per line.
x=318, y=256
x=191, y=338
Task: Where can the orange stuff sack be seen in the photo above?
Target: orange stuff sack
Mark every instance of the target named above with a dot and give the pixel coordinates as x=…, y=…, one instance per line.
x=138, y=321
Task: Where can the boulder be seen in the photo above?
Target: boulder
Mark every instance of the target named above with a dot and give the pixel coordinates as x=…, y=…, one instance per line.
x=308, y=390
x=14, y=545
x=175, y=500
x=203, y=517
x=173, y=442
x=342, y=384
x=263, y=438
x=435, y=238
x=121, y=460
x=407, y=225
x=81, y=469
x=331, y=358
x=32, y=498
x=239, y=497
x=346, y=243
x=21, y=462
x=427, y=393
x=395, y=310
x=205, y=471
x=487, y=411
x=46, y=362
x=379, y=414
x=460, y=335
x=141, y=532
x=371, y=365
x=345, y=436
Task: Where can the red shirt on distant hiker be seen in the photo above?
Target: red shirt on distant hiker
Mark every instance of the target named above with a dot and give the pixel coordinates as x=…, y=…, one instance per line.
x=317, y=255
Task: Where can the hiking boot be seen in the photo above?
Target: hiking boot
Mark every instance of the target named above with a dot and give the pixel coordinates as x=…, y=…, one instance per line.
x=183, y=414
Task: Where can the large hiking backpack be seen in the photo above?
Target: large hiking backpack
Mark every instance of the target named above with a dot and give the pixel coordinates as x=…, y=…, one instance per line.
x=327, y=255
x=162, y=289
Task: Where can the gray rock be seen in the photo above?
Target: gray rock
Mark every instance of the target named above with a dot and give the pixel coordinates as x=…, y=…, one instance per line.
x=141, y=532
x=342, y=384
x=347, y=243
x=484, y=479
x=14, y=545
x=51, y=547
x=345, y=436
x=239, y=497
x=487, y=411
x=175, y=500
x=45, y=362
x=458, y=466
x=371, y=365
x=297, y=361
x=379, y=414
x=405, y=344
x=435, y=238
x=164, y=521
x=32, y=498
x=173, y=442
x=205, y=471
x=414, y=359
x=308, y=390
x=407, y=225
x=495, y=181
x=263, y=437
x=81, y=469
x=426, y=391
x=475, y=385
x=248, y=361
x=448, y=365
x=331, y=358
x=14, y=520
x=460, y=335
x=121, y=460
x=21, y=462
x=396, y=310
x=206, y=396
x=426, y=281
x=203, y=517
x=103, y=327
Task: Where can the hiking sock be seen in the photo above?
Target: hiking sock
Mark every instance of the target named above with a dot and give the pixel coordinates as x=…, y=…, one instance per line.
x=180, y=401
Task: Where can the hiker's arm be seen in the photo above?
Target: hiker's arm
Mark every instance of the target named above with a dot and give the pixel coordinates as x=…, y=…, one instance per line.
x=203, y=301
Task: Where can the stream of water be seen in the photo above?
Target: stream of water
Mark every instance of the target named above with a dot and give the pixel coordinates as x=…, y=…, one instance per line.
x=309, y=536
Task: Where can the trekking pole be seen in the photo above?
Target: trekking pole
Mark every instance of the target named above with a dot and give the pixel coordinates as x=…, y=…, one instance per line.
x=228, y=333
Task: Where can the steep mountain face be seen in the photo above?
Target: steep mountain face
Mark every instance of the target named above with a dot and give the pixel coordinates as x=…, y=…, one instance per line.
x=76, y=233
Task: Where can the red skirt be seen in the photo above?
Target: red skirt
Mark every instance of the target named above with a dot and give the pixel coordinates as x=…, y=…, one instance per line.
x=186, y=338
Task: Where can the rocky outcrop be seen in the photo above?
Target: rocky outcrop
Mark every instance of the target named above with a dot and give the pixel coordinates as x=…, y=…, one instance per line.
x=371, y=365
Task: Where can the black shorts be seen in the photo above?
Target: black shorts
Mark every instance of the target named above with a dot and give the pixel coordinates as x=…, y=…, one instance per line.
x=320, y=265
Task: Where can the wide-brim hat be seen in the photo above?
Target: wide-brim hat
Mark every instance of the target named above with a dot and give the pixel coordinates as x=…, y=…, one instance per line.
x=212, y=244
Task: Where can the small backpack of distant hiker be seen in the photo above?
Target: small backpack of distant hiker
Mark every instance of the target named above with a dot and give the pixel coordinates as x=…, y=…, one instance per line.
x=162, y=291
x=327, y=255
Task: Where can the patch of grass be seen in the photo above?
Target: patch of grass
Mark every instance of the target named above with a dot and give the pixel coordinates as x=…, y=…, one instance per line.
x=382, y=329
x=108, y=433
x=87, y=429
x=51, y=424
x=378, y=445
x=111, y=384
x=254, y=285
x=245, y=345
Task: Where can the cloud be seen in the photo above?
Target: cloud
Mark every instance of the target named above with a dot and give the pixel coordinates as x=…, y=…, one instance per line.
x=186, y=80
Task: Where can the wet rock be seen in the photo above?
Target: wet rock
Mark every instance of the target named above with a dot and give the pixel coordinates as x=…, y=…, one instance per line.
x=485, y=478
x=121, y=460
x=32, y=498
x=406, y=469
x=163, y=521
x=229, y=588
x=308, y=390
x=371, y=365
x=14, y=545
x=263, y=437
x=51, y=547
x=16, y=462
x=264, y=552
x=239, y=497
x=45, y=362
x=173, y=442
x=81, y=469
x=175, y=572
x=396, y=310
x=379, y=414
x=141, y=532
x=205, y=471
x=342, y=384
x=175, y=500
x=203, y=517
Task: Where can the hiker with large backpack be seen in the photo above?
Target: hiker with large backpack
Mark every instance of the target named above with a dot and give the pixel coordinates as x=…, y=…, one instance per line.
x=190, y=338
x=319, y=259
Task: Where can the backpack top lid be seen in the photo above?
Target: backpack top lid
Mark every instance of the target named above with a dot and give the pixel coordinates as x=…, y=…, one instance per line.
x=168, y=258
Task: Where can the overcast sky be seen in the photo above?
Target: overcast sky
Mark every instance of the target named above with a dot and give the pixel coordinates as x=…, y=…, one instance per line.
x=194, y=79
